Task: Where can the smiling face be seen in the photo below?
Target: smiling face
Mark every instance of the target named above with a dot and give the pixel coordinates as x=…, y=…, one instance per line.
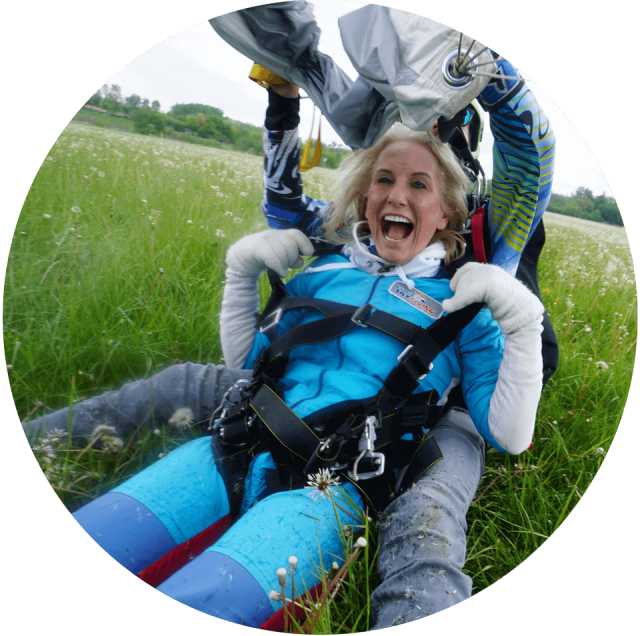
x=404, y=206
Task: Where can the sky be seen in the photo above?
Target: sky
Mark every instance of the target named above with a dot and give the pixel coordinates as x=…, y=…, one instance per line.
x=197, y=66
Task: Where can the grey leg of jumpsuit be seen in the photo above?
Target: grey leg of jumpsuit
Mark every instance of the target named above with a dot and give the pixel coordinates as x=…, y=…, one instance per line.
x=423, y=532
x=143, y=403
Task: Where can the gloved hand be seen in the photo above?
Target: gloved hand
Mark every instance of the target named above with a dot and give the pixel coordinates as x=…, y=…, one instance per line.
x=273, y=249
x=512, y=305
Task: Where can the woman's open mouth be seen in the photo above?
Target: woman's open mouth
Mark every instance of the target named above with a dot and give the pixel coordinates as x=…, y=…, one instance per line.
x=395, y=228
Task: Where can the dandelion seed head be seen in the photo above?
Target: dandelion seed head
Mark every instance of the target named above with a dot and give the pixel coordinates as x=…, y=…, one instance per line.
x=281, y=573
x=182, y=418
x=275, y=596
x=76, y=210
x=361, y=542
x=46, y=217
x=321, y=484
x=293, y=562
x=601, y=364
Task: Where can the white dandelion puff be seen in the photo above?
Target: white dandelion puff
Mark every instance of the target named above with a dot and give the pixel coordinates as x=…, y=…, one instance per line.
x=321, y=484
x=602, y=365
x=281, y=573
x=182, y=419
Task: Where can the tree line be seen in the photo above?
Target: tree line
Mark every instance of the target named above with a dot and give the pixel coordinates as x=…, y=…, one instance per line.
x=196, y=123
x=583, y=204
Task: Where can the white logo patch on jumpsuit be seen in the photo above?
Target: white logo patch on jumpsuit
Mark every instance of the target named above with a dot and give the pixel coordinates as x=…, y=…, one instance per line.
x=417, y=300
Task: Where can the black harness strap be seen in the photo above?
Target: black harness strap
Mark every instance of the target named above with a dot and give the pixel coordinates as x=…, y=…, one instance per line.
x=395, y=410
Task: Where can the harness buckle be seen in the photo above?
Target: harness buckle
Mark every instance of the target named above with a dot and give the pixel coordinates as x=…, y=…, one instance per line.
x=361, y=314
x=271, y=321
x=405, y=354
x=366, y=447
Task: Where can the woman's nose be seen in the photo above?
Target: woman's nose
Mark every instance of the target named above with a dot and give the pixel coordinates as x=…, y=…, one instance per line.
x=397, y=196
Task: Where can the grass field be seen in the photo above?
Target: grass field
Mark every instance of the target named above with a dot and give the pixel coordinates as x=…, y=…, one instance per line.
x=115, y=272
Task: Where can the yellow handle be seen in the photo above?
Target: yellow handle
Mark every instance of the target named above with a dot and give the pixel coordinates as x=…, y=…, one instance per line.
x=305, y=164
x=265, y=77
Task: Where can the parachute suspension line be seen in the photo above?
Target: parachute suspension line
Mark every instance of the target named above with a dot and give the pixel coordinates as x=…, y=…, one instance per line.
x=464, y=68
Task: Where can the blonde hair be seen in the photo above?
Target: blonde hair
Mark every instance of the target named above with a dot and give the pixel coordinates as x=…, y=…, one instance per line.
x=357, y=173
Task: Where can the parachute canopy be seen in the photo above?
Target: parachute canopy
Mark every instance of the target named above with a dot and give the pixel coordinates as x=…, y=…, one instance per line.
x=404, y=64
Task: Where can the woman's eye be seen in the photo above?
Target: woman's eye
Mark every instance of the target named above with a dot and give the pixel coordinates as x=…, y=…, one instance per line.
x=419, y=185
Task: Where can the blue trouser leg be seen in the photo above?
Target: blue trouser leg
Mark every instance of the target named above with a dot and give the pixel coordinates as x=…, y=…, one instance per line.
x=165, y=505
x=423, y=532
x=232, y=579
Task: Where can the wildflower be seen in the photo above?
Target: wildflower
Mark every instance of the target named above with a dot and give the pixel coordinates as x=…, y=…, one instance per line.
x=321, y=483
x=602, y=365
x=281, y=573
x=105, y=436
x=182, y=419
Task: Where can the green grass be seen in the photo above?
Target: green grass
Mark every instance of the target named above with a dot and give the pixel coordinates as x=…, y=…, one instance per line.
x=116, y=271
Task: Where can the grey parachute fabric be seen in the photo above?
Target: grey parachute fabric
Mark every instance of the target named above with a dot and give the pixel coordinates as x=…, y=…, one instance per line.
x=401, y=60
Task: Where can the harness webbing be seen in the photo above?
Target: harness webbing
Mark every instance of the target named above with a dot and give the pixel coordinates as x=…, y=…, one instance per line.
x=333, y=437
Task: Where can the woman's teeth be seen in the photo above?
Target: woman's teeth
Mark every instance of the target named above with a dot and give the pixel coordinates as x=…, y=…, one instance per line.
x=396, y=228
